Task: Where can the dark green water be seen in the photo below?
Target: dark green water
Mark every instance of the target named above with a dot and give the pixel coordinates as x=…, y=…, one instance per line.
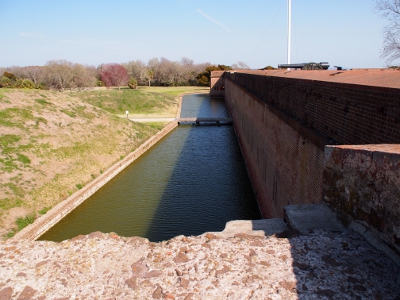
x=194, y=180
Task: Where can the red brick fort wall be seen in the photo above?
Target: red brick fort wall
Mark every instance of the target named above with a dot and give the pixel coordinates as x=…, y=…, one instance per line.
x=284, y=120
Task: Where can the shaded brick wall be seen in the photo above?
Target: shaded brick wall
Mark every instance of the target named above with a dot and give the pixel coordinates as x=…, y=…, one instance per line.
x=344, y=113
x=284, y=123
x=217, y=84
x=285, y=160
x=362, y=182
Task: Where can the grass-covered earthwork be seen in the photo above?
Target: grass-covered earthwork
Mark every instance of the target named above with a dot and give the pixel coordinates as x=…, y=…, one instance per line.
x=52, y=144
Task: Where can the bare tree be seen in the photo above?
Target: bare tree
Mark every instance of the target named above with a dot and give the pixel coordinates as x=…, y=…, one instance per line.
x=59, y=74
x=138, y=70
x=186, y=70
x=34, y=73
x=390, y=10
x=63, y=74
x=240, y=66
x=83, y=76
x=167, y=72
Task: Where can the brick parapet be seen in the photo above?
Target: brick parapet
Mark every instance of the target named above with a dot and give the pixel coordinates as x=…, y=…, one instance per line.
x=362, y=183
x=345, y=113
x=276, y=117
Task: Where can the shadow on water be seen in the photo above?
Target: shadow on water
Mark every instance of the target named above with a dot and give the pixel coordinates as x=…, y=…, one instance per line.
x=209, y=185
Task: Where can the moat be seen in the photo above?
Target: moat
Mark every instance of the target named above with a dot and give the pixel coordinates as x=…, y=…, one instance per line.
x=193, y=181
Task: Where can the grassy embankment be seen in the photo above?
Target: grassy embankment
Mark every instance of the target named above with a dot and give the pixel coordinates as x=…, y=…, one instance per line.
x=144, y=102
x=52, y=144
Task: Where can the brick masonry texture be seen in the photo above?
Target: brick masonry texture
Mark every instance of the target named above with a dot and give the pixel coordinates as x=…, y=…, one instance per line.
x=285, y=119
x=284, y=164
x=345, y=113
x=217, y=84
x=363, y=183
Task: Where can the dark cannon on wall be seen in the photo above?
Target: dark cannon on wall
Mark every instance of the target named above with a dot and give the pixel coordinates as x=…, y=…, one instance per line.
x=306, y=66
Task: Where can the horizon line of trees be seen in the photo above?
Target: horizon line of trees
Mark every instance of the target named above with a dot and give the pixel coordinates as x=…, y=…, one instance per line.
x=62, y=74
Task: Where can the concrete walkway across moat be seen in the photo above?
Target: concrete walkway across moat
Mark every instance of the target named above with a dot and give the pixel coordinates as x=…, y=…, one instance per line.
x=185, y=120
x=208, y=121
x=260, y=259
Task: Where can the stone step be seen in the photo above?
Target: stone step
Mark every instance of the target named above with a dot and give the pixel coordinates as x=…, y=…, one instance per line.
x=264, y=227
x=305, y=217
x=300, y=217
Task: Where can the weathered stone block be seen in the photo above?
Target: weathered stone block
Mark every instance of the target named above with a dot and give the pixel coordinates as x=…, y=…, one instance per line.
x=365, y=186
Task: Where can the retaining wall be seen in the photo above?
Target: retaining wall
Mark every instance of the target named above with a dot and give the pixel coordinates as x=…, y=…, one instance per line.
x=45, y=222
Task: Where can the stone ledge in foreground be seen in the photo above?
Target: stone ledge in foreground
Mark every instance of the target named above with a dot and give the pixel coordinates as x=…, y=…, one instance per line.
x=340, y=265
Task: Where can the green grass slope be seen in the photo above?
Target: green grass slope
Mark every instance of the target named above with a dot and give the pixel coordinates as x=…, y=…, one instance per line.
x=52, y=144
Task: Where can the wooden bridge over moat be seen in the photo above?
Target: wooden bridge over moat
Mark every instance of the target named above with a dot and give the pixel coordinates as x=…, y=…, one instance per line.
x=205, y=121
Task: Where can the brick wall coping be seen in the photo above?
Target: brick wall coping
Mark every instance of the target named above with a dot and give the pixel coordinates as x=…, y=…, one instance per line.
x=387, y=78
x=388, y=148
x=215, y=74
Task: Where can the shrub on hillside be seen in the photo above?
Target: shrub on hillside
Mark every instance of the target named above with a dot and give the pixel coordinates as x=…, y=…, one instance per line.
x=24, y=84
x=42, y=86
x=132, y=83
x=28, y=84
x=10, y=76
x=5, y=82
x=9, y=80
x=17, y=84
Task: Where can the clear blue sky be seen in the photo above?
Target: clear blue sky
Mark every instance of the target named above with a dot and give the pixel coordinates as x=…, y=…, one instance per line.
x=343, y=32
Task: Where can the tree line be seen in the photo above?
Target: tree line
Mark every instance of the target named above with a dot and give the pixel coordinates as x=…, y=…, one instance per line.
x=62, y=74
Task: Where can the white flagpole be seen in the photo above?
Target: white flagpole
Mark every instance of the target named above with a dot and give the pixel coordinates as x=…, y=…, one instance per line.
x=289, y=29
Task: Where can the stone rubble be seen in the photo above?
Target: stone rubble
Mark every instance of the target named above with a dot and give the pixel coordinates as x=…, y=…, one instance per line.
x=290, y=265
